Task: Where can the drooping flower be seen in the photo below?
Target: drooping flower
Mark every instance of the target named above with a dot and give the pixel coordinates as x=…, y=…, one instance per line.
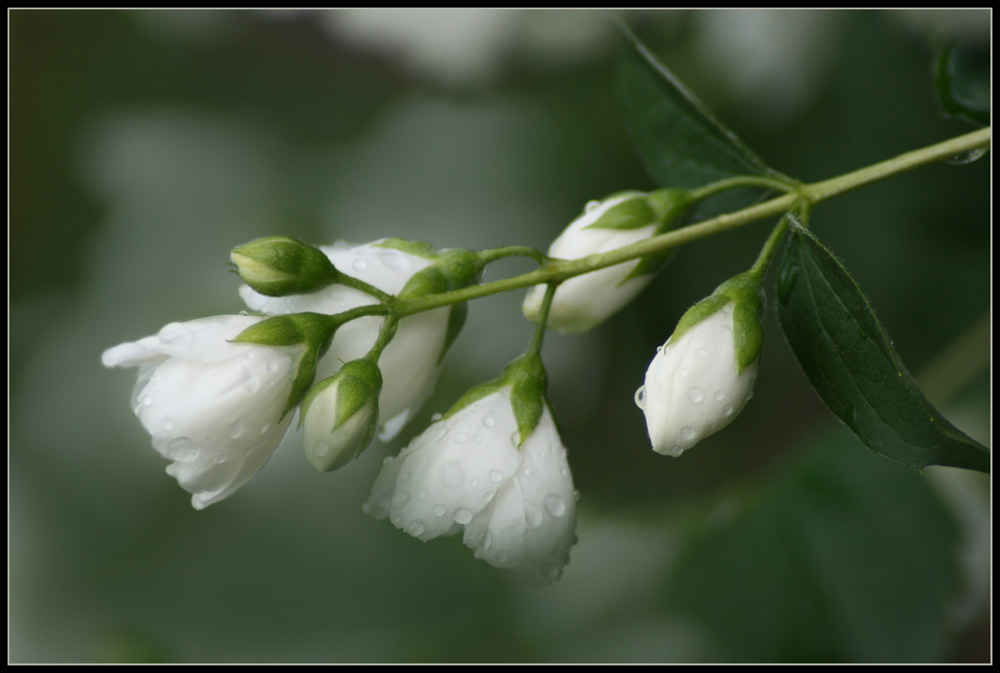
x=487, y=469
x=583, y=302
x=409, y=364
x=215, y=408
x=339, y=415
x=703, y=376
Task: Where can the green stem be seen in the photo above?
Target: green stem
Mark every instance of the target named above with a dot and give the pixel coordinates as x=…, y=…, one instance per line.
x=494, y=254
x=535, y=348
x=811, y=194
x=703, y=193
x=362, y=286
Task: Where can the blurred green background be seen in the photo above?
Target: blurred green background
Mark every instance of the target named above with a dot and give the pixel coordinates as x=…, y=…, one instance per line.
x=146, y=144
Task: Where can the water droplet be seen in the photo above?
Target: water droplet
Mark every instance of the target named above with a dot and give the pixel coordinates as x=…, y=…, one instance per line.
x=488, y=540
x=145, y=400
x=250, y=355
x=550, y=571
x=515, y=439
x=439, y=510
x=640, y=397
x=728, y=409
x=496, y=476
x=451, y=474
x=720, y=395
x=461, y=438
x=386, y=461
x=478, y=439
x=968, y=157
x=683, y=373
x=415, y=528
x=273, y=366
x=235, y=429
x=404, y=475
x=534, y=517
x=489, y=422
x=422, y=494
x=395, y=260
x=659, y=349
x=168, y=424
x=488, y=495
x=554, y=505
x=441, y=435
x=473, y=483
x=591, y=205
x=359, y=265
x=676, y=450
x=182, y=449
x=264, y=427
x=463, y=516
x=400, y=499
x=436, y=417
x=251, y=383
x=321, y=449
x=688, y=433
x=501, y=556
x=695, y=394
x=701, y=352
x=576, y=496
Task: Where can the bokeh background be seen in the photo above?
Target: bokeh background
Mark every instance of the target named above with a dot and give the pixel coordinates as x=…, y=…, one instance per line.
x=144, y=145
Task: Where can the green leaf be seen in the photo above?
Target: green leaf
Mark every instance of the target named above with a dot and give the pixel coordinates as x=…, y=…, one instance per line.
x=845, y=558
x=962, y=83
x=851, y=363
x=680, y=140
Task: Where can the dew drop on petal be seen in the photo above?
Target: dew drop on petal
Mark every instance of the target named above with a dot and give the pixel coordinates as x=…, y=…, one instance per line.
x=250, y=355
x=554, y=505
x=489, y=422
x=441, y=435
x=683, y=373
x=422, y=494
x=439, y=510
x=168, y=424
x=695, y=394
x=473, y=483
x=501, y=556
x=515, y=439
x=251, y=383
x=534, y=517
x=461, y=438
x=182, y=449
x=720, y=395
x=436, y=417
x=404, y=475
x=264, y=427
x=321, y=449
x=550, y=571
x=400, y=499
x=727, y=410
x=145, y=400
x=359, y=265
x=386, y=461
x=701, y=352
x=688, y=433
x=273, y=366
x=463, y=516
x=640, y=397
x=576, y=496
x=496, y=476
x=591, y=205
x=235, y=429
x=451, y=474
x=415, y=528
x=488, y=540
x=488, y=495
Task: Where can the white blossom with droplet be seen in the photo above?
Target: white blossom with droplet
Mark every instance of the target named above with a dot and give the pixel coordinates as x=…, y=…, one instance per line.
x=585, y=301
x=517, y=505
x=692, y=387
x=213, y=408
x=409, y=364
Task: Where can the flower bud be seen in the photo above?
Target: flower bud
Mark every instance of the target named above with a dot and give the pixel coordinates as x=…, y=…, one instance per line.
x=278, y=265
x=701, y=379
x=585, y=301
x=340, y=415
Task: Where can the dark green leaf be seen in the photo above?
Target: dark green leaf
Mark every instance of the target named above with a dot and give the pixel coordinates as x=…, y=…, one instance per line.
x=847, y=558
x=680, y=140
x=850, y=361
x=962, y=83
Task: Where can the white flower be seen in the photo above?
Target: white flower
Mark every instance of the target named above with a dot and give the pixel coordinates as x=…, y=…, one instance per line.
x=693, y=387
x=516, y=504
x=409, y=363
x=585, y=301
x=212, y=407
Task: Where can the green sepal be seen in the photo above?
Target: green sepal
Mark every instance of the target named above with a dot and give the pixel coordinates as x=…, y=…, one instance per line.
x=744, y=291
x=633, y=213
x=276, y=266
x=314, y=330
x=415, y=248
x=527, y=381
x=671, y=209
x=453, y=270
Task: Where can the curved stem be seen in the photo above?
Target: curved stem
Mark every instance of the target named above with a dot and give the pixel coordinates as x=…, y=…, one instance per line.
x=558, y=270
x=535, y=348
x=494, y=254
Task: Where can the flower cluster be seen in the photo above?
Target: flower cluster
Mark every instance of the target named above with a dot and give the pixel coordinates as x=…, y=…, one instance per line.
x=352, y=339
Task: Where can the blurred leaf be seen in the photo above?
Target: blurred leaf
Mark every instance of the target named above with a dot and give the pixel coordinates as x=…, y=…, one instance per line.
x=962, y=83
x=851, y=363
x=680, y=140
x=847, y=559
